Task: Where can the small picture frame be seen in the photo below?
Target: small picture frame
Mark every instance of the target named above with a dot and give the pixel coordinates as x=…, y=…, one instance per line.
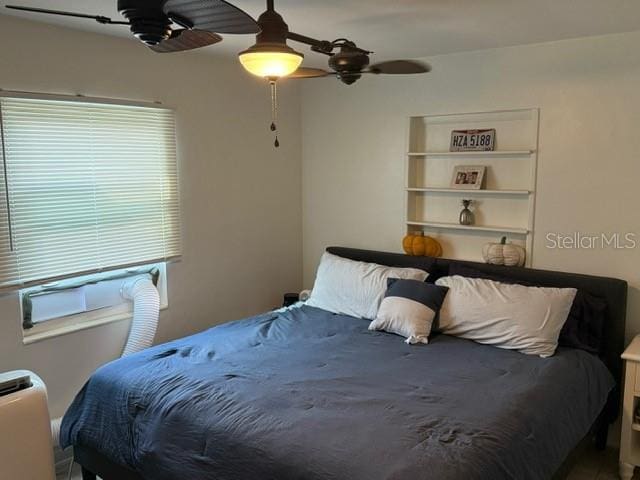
x=468, y=177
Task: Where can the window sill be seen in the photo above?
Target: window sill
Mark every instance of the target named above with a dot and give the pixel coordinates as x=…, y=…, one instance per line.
x=77, y=323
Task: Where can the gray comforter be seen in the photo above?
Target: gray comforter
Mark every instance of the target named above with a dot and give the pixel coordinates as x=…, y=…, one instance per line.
x=306, y=394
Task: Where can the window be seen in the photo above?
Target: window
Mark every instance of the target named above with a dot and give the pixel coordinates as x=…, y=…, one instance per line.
x=88, y=187
x=83, y=302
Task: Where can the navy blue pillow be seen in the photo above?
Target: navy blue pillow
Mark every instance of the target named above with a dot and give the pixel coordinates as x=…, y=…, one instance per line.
x=585, y=323
x=429, y=295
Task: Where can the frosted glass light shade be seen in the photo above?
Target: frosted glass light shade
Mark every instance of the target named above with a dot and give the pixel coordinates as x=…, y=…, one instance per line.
x=269, y=64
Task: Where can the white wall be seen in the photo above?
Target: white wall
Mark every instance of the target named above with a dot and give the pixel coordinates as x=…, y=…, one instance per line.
x=354, y=139
x=240, y=197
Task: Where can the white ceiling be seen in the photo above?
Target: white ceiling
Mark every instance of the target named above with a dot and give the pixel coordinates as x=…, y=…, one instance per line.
x=403, y=28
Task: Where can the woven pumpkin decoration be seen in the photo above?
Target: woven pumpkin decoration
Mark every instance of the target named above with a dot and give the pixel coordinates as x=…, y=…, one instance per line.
x=504, y=253
x=421, y=246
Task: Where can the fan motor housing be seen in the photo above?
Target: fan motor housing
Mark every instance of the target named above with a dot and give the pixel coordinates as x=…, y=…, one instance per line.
x=148, y=21
x=349, y=64
x=273, y=28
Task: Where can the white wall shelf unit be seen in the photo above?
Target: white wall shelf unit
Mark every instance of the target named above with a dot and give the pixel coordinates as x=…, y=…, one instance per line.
x=506, y=204
x=495, y=153
x=457, y=226
x=474, y=192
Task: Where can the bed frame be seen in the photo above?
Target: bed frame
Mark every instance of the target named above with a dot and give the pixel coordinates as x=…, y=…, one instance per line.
x=612, y=290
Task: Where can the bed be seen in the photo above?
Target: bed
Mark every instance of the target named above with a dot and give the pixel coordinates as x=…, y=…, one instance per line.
x=306, y=394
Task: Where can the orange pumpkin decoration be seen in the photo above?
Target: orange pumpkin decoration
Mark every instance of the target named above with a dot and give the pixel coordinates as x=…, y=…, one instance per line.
x=421, y=246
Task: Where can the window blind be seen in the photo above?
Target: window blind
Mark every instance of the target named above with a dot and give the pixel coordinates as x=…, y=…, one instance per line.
x=89, y=187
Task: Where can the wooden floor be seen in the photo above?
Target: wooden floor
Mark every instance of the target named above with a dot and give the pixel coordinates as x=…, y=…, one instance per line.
x=593, y=465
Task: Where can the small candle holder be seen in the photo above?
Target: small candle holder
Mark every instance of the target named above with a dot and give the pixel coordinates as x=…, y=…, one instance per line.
x=466, y=216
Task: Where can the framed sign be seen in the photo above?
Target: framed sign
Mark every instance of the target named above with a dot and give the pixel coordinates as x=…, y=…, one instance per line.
x=473, y=140
x=468, y=177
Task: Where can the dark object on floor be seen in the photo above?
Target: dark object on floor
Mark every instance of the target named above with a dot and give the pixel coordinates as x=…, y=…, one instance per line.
x=92, y=462
x=290, y=299
x=87, y=475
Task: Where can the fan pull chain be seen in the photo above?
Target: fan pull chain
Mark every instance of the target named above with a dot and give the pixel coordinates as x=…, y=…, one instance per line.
x=274, y=110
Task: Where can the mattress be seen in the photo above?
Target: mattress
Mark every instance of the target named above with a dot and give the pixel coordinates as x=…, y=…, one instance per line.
x=307, y=394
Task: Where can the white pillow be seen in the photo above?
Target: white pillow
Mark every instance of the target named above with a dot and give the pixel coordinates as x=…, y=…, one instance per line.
x=354, y=288
x=527, y=319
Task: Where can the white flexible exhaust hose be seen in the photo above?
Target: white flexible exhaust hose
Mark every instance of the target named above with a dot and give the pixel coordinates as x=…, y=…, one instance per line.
x=56, y=423
x=146, y=310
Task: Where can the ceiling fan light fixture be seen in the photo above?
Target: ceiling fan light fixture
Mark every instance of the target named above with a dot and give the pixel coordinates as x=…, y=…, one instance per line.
x=271, y=60
x=271, y=57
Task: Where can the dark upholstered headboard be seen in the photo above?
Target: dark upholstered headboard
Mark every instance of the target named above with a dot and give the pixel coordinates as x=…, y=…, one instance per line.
x=612, y=290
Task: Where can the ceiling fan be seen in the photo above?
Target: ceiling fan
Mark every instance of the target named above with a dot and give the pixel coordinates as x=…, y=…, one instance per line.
x=151, y=21
x=272, y=58
x=351, y=62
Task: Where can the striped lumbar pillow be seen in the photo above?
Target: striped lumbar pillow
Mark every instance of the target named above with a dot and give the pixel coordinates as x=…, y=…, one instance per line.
x=409, y=309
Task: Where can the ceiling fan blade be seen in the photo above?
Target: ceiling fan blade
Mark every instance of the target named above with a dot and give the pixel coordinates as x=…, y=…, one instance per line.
x=182, y=40
x=399, y=67
x=97, y=18
x=212, y=16
x=310, y=73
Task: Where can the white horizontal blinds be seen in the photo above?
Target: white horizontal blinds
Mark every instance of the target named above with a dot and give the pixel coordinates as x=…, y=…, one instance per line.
x=8, y=259
x=91, y=186
x=136, y=185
